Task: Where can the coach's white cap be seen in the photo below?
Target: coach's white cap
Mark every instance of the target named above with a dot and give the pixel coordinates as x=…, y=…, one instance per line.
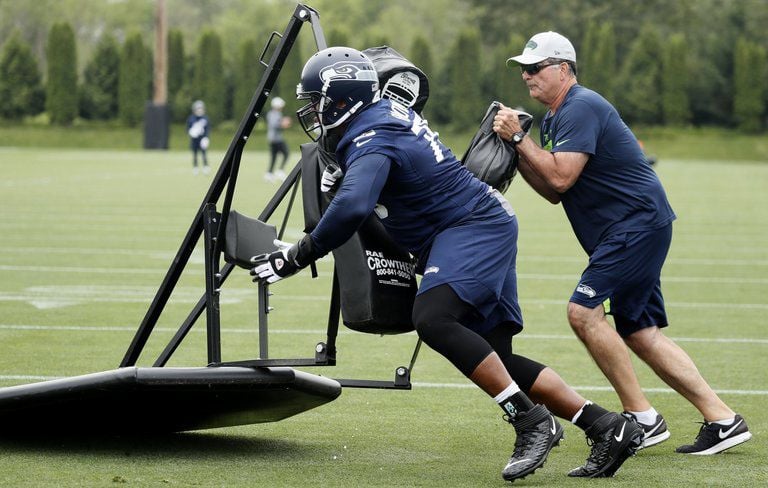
x=545, y=45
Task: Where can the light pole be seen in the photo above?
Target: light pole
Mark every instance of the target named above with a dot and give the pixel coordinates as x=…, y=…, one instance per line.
x=156, y=112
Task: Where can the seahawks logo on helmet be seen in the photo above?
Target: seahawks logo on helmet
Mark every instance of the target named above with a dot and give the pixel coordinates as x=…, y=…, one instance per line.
x=346, y=70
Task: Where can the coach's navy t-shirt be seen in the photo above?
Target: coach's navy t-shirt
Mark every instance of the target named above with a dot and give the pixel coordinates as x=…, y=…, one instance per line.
x=617, y=191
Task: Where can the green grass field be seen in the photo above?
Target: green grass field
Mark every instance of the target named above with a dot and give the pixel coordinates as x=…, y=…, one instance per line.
x=87, y=236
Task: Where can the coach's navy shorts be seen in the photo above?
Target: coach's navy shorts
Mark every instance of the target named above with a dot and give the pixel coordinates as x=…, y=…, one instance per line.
x=626, y=269
x=477, y=259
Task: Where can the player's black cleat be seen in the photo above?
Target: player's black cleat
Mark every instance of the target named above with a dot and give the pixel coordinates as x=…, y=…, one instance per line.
x=713, y=438
x=654, y=433
x=613, y=438
x=537, y=433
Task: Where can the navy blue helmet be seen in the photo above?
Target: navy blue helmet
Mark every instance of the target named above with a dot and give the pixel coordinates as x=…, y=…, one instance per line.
x=338, y=82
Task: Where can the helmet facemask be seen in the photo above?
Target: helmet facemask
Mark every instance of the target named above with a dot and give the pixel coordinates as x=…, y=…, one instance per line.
x=403, y=88
x=310, y=114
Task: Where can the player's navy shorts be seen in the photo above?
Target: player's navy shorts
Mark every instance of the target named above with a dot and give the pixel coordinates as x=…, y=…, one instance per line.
x=477, y=259
x=625, y=269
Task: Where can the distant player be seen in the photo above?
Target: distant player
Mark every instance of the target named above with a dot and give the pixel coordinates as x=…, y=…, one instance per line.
x=198, y=129
x=276, y=123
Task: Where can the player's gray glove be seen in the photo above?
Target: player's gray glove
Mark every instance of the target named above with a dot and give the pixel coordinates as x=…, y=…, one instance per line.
x=330, y=178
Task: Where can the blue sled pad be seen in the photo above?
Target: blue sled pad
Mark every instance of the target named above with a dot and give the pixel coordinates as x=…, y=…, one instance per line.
x=161, y=400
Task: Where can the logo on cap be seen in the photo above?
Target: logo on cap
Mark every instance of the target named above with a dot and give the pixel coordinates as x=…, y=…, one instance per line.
x=531, y=44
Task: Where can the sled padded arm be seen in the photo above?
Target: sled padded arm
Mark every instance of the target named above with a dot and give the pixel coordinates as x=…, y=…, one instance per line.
x=246, y=237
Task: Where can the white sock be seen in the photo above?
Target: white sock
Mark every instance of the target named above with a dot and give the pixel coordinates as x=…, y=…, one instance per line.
x=506, y=393
x=728, y=421
x=647, y=417
x=578, y=414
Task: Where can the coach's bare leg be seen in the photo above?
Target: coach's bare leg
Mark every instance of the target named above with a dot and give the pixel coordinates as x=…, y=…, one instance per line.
x=673, y=365
x=609, y=352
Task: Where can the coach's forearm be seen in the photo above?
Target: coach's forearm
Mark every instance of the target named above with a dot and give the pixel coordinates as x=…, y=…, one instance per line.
x=536, y=182
x=559, y=170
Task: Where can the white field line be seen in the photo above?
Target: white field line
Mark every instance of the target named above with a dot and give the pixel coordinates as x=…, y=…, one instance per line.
x=101, y=176
x=81, y=269
x=523, y=257
x=321, y=332
x=664, y=279
x=195, y=259
x=114, y=227
x=52, y=297
x=417, y=384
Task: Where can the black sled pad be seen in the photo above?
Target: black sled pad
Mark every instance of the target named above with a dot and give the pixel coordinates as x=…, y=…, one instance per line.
x=162, y=400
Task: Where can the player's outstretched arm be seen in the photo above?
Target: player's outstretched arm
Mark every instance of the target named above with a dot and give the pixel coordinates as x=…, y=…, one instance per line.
x=286, y=261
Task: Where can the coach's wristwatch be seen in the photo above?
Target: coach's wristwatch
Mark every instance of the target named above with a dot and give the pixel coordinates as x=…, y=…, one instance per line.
x=517, y=137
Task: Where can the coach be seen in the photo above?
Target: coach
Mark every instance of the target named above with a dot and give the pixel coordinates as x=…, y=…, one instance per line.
x=591, y=162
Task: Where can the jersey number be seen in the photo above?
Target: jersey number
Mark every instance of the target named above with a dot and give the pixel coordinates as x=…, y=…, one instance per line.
x=420, y=128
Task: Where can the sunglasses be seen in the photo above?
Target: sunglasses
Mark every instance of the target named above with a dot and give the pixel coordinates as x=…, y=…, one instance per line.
x=532, y=69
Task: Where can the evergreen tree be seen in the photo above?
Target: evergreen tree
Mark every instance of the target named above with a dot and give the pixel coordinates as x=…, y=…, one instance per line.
x=289, y=77
x=175, y=62
x=466, y=100
x=421, y=57
x=761, y=73
x=247, y=75
x=596, y=60
x=509, y=87
x=674, y=99
x=640, y=99
x=588, y=60
x=749, y=66
x=98, y=94
x=183, y=99
x=134, y=80
x=339, y=37
x=178, y=77
x=378, y=40
x=61, y=89
x=21, y=90
x=441, y=93
x=229, y=93
x=209, y=82
x=605, y=65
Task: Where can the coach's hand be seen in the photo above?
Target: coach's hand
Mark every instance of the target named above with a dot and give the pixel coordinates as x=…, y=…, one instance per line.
x=506, y=122
x=276, y=265
x=330, y=178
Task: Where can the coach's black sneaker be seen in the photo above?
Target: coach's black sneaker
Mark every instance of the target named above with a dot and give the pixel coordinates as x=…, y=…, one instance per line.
x=654, y=433
x=613, y=439
x=537, y=433
x=713, y=438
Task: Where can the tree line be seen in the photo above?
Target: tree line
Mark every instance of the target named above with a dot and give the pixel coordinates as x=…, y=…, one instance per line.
x=656, y=76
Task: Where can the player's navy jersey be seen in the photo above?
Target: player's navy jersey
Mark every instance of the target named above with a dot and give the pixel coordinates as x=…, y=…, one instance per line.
x=617, y=191
x=427, y=189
